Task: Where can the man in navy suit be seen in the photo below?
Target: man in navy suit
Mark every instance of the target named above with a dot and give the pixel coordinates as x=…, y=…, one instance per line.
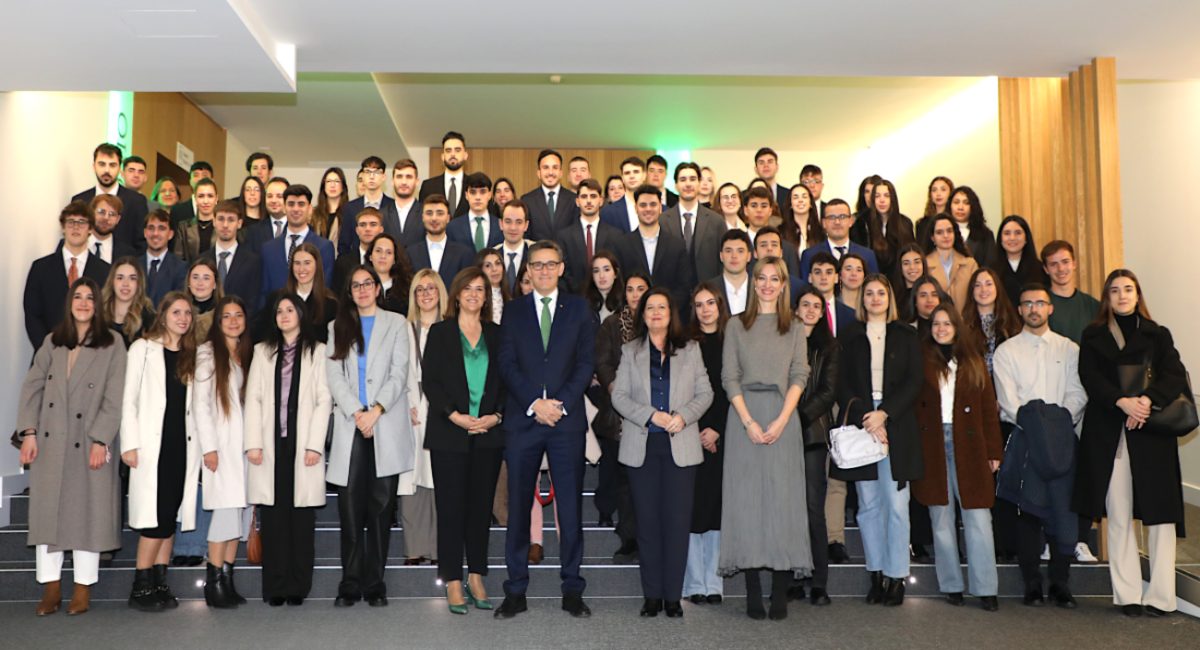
x=277, y=253
x=551, y=206
x=547, y=341
x=449, y=184
x=656, y=251
x=373, y=174
x=368, y=226
x=106, y=163
x=656, y=175
x=823, y=276
x=756, y=208
x=275, y=221
x=766, y=165
x=622, y=215
x=514, y=223
x=403, y=222
x=164, y=272
x=837, y=222
x=239, y=269
x=734, y=280
x=101, y=243
x=49, y=277
x=478, y=228
x=581, y=239
x=436, y=251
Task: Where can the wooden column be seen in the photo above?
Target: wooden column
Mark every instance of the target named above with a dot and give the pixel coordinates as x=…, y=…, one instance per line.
x=1060, y=163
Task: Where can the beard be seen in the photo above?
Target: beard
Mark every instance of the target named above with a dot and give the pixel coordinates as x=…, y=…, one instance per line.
x=454, y=165
x=106, y=180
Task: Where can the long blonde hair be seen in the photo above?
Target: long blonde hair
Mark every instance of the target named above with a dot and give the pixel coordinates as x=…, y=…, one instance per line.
x=783, y=303
x=141, y=303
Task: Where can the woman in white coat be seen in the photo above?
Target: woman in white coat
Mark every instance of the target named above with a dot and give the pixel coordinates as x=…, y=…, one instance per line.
x=287, y=417
x=372, y=431
x=221, y=363
x=163, y=457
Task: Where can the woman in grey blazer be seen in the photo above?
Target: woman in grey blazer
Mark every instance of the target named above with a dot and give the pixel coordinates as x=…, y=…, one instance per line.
x=661, y=392
x=372, y=431
x=75, y=501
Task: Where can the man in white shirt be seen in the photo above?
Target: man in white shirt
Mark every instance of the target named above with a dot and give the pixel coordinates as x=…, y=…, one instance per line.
x=578, y=170
x=407, y=227
x=101, y=242
x=50, y=276
x=477, y=229
x=622, y=215
x=449, y=184
x=734, y=279
x=656, y=251
x=766, y=166
x=514, y=222
x=551, y=206
x=585, y=236
x=436, y=251
x=368, y=225
x=239, y=270
x=656, y=175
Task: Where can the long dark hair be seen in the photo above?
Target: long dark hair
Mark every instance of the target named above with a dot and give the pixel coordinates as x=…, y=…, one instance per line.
x=676, y=339
x=262, y=199
x=306, y=341
x=820, y=336
x=66, y=335
x=480, y=258
x=186, y=368
x=459, y=284
x=959, y=245
x=222, y=366
x=930, y=209
x=860, y=204
x=322, y=216
x=975, y=220
x=1106, y=312
x=1008, y=323
x=694, y=331
x=813, y=231
x=892, y=222
x=1029, y=256
x=319, y=290
x=971, y=364
x=616, y=295
x=401, y=273
x=908, y=311
x=347, y=326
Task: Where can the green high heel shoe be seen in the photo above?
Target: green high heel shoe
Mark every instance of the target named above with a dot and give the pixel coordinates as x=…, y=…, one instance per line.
x=458, y=609
x=479, y=603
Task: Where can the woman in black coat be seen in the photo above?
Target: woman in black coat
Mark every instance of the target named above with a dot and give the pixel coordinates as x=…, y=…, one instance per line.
x=1126, y=469
x=1015, y=259
x=816, y=417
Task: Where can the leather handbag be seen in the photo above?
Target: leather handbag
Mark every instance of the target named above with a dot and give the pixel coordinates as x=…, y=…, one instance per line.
x=254, y=549
x=852, y=446
x=1177, y=417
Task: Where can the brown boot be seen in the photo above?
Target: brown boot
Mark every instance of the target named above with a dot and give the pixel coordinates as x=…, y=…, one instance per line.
x=80, y=599
x=51, y=598
x=536, y=553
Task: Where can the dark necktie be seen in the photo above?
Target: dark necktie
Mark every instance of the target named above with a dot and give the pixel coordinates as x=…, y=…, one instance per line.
x=589, y=243
x=98, y=251
x=223, y=267
x=153, y=275
x=292, y=248
x=452, y=199
x=841, y=251
x=550, y=206
x=511, y=272
x=688, y=230
x=279, y=228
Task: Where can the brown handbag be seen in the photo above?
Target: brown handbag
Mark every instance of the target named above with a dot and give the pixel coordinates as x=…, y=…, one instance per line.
x=254, y=541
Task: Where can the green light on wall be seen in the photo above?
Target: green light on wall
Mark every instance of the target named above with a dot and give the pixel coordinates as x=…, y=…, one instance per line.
x=674, y=157
x=120, y=120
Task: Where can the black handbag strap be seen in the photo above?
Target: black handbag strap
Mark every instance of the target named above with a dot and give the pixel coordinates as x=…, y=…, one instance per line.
x=846, y=411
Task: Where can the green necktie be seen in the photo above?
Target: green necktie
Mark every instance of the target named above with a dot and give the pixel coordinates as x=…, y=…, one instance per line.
x=479, y=241
x=546, y=323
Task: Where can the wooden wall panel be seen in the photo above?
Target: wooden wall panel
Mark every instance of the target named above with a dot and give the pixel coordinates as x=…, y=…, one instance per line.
x=162, y=119
x=520, y=165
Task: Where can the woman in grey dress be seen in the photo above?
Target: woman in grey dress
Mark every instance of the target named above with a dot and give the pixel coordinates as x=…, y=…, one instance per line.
x=764, y=521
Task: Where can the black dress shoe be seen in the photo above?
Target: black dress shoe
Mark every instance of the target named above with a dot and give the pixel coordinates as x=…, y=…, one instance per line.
x=628, y=553
x=1132, y=611
x=605, y=522
x=651, y=607
x=919, y=554
x=513, y=604
x=697, y=599
x=796, y=591
x=412, y=561
x=573, y=604
x=838, y=554
x=819, y=597
x=178, y=560
x=878, y=587
x=1062, y=597
x=955, y=598
x=713, y=599
x=1151, y=610
x=1033, y=597
x=295, y=601
x=377, y=601
x=895, y=592
x=193, y=560
x=345, y=601
x=989, y=603
x=673, y=609
x=276, y=601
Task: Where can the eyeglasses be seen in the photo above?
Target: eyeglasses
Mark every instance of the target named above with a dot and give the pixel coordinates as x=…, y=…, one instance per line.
x=547, y=266
x=429, y=288
x=76, y=223
x=836, y=217
x=372, y=172
x=107, y=213
x=1030, y=304
x=365, y=284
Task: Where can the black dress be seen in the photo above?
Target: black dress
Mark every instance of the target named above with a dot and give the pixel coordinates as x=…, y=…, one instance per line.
x=706, y=507
x=172, y=454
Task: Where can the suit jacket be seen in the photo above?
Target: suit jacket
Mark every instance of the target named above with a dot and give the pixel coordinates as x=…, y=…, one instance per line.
x=455, y=258
x=690, y=396
x=617, y=215
x=244, y=277
x=46, y=293
x=512, y=289
x=347, y=237
x=413, y=229
x=257, y=234
x=341, y=269
x=561, y=371
x=172, y=273
x=130, y=230
x=668, y=272
x=186, y=242
x=960, y=276
x=542, y=224
x=708, y=228
x=444, y=379
x=783, y=198
x=571, y=239
x=275, y=260
x=462, y=230
x=183, y=212
x=437, y=185
x=845, y=316
x=827, y=247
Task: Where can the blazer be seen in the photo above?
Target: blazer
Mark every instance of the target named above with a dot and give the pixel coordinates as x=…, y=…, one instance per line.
x=408, y=229
x=274, y=261
x=783, y=198
x=422, y=474
x=956, y=286
x=845, y=316
x=690, y=396
x=708, y=228
x=607, y=423
x=982, y=246
x=130, y=229
x=172, y=274
x=220, y=432
x=542, y=224
x=183, y=212
x=617, y=215
x=313, y=411
x=462, y=230
x=562, y=371
x=455, y=258
x=445, y=382
x=46, y=292
x=570, y=237
x=668, y=272
x=142, y=410
x=257, y=234
x=902, y=361
x=512, y=288
x=437, y=185
x=827, y=247
x=341, y=269
x=347, y=237
x=820, y=395
x=387, y=385
x=244, y=277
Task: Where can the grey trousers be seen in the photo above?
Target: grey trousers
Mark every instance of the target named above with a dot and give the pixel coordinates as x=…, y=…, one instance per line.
x=418, y=517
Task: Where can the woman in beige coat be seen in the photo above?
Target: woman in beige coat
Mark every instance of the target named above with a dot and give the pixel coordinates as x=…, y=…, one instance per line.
x=74, y=495
x=286, y=476
x=948, y=260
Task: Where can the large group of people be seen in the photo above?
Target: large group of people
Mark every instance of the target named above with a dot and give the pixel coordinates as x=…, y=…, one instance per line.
x=430, y=354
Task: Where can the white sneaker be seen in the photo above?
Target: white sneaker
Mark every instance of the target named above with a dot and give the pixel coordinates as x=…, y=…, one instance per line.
x=1083, y=554
x=1046, y=553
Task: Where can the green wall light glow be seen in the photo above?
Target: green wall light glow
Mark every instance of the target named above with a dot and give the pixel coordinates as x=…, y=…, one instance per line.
x=120, y=120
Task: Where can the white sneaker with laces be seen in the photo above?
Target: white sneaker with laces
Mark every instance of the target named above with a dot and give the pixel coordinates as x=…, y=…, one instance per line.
x=1083, y=554
x=1046, y=553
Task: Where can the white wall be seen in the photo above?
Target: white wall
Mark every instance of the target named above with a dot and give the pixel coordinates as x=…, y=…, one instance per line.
x=236, y=154
x=1159, y=138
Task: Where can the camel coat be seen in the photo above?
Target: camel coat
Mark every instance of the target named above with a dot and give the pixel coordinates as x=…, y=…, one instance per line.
x=71, y=506
x=219, y=432
x=957, y=285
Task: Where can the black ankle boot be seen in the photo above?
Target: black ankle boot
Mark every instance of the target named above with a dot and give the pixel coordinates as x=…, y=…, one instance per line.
x=875, y=594
x=161, y=589
x=237, y=598
x=143, y=596
x=895, y=592
x=780, y=580
x=216, y=589
x=754, y=603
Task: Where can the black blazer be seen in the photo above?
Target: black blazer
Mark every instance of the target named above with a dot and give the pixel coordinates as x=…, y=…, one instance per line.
x=444, y=379
x=413, y=229
x=543, y=225
x=462, y=230
x=570, y=238
x=347, y=237
x=130, y=230
x=816, y=403
x=668, y=271
x=256, y=234
x=708, y=228
x=182, y=212
x=455, y=258
x=172, y=274
x=46, y=293
x=244, y=278
x=341, y=269
x=982, y=246
x=437, y=185
x=902, y=368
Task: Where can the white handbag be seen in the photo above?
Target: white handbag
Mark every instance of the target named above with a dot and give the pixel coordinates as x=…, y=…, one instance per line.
x=851, y=446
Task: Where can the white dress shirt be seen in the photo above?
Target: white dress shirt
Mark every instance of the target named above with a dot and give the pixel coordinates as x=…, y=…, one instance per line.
x=278, y=226
x=946, y=390
x=150, y=257
x=486, y=223
x=537, y=313
x=458, y=181
x=631, y=211
x=435, y=248
x=377, y=203
x=111, y=191
x=833, y=248
x=403, y=210
x=80, y=261
x=106, y=247
x=650, y=247
x=1028, y=367
x=737, y=295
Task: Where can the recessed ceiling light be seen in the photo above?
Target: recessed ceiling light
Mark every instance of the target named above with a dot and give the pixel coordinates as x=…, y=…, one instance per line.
x=555, y=78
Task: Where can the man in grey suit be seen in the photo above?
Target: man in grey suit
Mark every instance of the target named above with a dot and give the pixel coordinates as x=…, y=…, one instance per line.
x=700, y=227
x=551, y=206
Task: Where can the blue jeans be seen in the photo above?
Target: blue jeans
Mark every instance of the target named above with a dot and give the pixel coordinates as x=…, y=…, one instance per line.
x=977, y=529
x=883, y=522
x=194, y=542
x=704, y=549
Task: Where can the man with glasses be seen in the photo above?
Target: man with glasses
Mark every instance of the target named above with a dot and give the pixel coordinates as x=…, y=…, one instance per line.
x=1039, y=364
x=101, y=243
x=374, y=175
x=812, y=178
x=106, y=163
x=51, y=276
x=837, y=222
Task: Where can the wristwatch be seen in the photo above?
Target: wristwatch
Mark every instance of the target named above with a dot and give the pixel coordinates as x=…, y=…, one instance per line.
x=499, y=418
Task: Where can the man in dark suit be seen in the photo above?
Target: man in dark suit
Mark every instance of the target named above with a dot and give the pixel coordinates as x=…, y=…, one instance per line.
x=51, y=276
x=239, y=269
x=699, y=227
x=756, y=207
x=656, y=175
x=107, y=210
x=106, y=163
x=823, y=276
x=275, y=223
x=551, y=206
x=373, y=171
x=622, y=215
x=655, y=250
x=547, y=342
x=766, y=165
x=477, y=229
x=368, y=225
x=813, y=178
x=514, y=223
x=436, y=251
x=734, y=280
x=185, y=211
x=403, y=222
x=581, y=240
x=837, y=222
x=164, y=271
x=449, y=184
x=277, y=253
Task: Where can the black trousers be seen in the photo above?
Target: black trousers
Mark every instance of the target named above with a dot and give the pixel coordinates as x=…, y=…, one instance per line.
x=465, y=487
x=920, y=529
x=616, y=492
x=815, y=487
x=662, y=497
x=365, y=507
x=606, y=494
x=1029, y=552
x=1004, y=514
x=287, y=532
